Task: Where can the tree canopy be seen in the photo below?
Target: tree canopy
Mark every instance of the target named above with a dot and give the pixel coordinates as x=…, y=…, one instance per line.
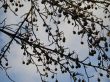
x=89, y=19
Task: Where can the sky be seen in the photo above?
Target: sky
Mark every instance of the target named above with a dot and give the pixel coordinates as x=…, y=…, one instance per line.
x=23, y=73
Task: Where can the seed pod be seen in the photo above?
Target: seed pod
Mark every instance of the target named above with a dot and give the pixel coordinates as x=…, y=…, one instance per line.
x=63, y=39
x=16, y=9
x=101, y=74
x=99, y=57
x=83, y=80
x=55, y=69
x=56, y=80
x=52, y=76
x=106, y=44
x=6, y=64
x=107, y=76
x=23, y=62
x=11, y=0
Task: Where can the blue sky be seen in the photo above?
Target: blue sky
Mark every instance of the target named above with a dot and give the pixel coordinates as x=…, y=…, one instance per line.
x=23, y=73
